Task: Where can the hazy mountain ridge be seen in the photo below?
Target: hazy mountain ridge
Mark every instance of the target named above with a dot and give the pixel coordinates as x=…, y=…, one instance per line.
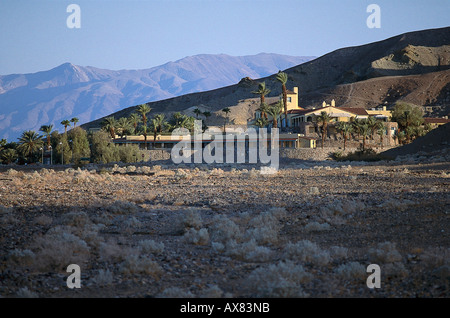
x=28, y=101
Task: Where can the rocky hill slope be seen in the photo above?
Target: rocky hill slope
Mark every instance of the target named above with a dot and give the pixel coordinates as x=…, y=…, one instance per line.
x=413, y=67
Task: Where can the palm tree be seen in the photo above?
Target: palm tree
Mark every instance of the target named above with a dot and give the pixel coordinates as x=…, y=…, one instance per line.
x=365, y=131
x=346, y=129
x=109, y=124
x=134, y=120
x=262, y=92
x=206, y=114
x=143, y=110
x=74, y=121
x=323, y=119
x=160, y=122
x=263, y=109
x=29, y=143
x=154, y=127
x=8, y=156
x=283, y=78
x=122, y=126
x=197, y=112
x=47, y=130
x=227, y=111
x=65, y=123
x=381, y=131
x=275, y=110
x=261, y=122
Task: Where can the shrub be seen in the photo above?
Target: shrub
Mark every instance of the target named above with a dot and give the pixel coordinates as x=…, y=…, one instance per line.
x=384, y=253
x=134, y=264
x=150, y=246
x=279, y=280
x=307, y=251
x=197, y=237
x=352, y=271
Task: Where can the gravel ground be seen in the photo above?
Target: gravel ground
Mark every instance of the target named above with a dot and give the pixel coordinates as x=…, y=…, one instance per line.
x=309, y=230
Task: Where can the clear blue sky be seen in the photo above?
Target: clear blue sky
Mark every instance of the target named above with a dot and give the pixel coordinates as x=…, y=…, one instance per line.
x=133, y=34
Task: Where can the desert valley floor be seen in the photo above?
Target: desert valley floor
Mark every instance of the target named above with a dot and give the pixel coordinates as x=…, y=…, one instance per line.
x=165, y=230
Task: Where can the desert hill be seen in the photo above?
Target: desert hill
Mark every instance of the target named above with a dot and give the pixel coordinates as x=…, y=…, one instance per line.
x=413, y=67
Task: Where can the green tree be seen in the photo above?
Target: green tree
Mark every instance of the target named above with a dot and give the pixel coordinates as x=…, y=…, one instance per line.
x=143, y=110
x=65, y=123
x=103, y=149
x=74, y=120
x=274, y=111
x=8, y=156
x=134, y=120
x=109, y=124
x=407, y=115
x=261, y=122
x=283, y=78
x=47, y=130
x=365, y=132
x=262, y=92
x=346, y=129
x=323, y=119
x=29, y=144
x=381, y=132
x=62, y=151
x=227, y=111
x=79, y=144
x=197, y=112
x=123, y=126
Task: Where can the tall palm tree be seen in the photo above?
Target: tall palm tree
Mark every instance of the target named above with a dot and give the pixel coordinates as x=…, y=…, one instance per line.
x=323, y=119
x=154, y=127
x=227, y=111
x=160, y=122
x=381, y=131
x=47, y=130
x=262, y=92
x=29, y=143
x=143, y=110
x=8, y=156
x=365, y=132
x=206, y=114
x=74, y=120
x=65, y=123
x=346, y=129
x=275, y=111
x=109, y=124
x=134, y=120
x=283, y=78
x=263, y=109
x=197, y=112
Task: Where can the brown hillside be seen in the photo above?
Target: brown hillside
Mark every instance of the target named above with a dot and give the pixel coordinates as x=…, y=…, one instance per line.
x=414, y=67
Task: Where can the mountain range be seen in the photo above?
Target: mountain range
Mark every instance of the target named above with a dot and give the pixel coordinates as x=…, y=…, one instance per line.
x=28, y=101
x=413, y=67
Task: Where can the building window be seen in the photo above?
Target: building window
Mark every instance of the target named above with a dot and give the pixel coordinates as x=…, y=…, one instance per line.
x=289, y=99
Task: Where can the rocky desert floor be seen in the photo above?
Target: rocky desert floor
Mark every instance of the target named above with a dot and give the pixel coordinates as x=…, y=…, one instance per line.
x=190, y=231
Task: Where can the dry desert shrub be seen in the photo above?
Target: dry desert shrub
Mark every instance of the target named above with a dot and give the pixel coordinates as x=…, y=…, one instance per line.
x=21, y=258
x=175, y=292
x=111, y=251
x=103, y=278
x=316, y=227
x=123, y=207
x=307, y=252
x=213, y=291
x=134, y=264
x=222, y=230
x=436, y=257
x=197, y=237
x=248, y=251
x=58, y=248
x=385, y=252
x=351, y=271
x=24, y=292
x=279, y=280
x=43, y=220
x=150, y=246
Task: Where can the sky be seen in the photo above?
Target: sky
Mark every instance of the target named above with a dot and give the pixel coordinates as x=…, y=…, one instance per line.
x=35, y=35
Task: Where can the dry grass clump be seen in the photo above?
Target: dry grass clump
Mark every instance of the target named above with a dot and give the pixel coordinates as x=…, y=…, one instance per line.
x=248, y=251
x=123, y=207
x=279, y=280
x=316, y=227
x=111, y=251
x=223, y=230
x=265, y=227
x=21, y=258
x=24, y=292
